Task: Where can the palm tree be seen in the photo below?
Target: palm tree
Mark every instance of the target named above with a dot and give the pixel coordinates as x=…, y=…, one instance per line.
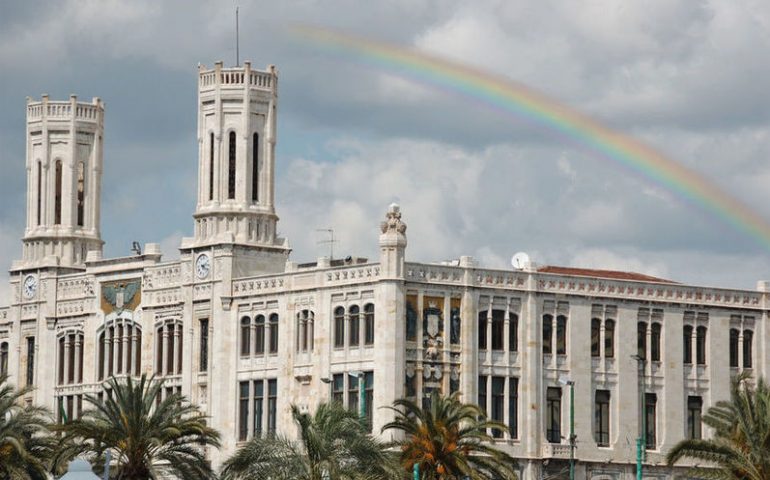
x=740, y=446
x=449, y=440
x=147, y=436
x=333, y=444
x=25, y=441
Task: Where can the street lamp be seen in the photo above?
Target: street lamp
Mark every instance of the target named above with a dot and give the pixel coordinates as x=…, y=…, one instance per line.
x=572, y=437
x=641, y=440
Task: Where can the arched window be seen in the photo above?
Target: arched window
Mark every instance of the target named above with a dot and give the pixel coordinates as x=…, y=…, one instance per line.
x=655, y=330
x=561, y=335
x=39, y=189
x=641, y=340
x=120, y=349
x=245, y=336
x=57, y=194
x=498, y=329
x=700, y=345
x=81, y=193
x=70, y=357
x=369, y=324
x=596, y=332
x=483, y=330
x=211, y=166
x=273, y=333
x=255, y=167
x=609, y=338
x=304, y=331
x=354, y=330
x=231, y=167
x=548, y=333
x=339, y=327
x=4, y=358
x=748, y=336
x=169, y=348
x=259, y=335
x=687, y=345
x=734, y=340
x=513, y=332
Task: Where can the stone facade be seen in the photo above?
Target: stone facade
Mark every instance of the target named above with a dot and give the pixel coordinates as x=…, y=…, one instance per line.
x=244, y=332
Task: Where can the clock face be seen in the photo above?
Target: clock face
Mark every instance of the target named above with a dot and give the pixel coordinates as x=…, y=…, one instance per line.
x=202, y=266
x=30, y=286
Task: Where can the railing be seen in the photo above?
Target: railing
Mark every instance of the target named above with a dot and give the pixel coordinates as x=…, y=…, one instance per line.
x=63, y=110
x=264, y=80
x=555, y=450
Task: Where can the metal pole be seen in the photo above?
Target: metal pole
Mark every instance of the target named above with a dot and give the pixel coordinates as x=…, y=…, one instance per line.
x=638, y=458
x=237, y=41
x=416, y=471
x=362, y=395
x=107, y=460
x=572, y=431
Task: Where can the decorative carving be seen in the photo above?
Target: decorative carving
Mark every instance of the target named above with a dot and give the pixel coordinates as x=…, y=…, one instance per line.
x=393, y=221
x=121, y=295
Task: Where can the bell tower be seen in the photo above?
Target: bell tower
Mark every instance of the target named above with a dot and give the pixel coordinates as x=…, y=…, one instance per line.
x=236, y=138
x=64, y=169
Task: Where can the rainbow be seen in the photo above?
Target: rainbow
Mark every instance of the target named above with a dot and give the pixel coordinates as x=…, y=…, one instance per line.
x=516, y=98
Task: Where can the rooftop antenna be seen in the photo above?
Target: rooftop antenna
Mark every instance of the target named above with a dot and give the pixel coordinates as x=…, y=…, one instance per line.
x=331, y=241
x=237, y=41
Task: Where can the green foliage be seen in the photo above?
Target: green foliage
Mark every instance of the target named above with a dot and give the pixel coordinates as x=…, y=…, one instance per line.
x=333, y=445
x=740, y=447
x=449, y=440
x=147, y=437
x=26, y=445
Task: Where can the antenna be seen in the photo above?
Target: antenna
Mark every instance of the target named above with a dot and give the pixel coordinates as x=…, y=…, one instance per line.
x=331, y=240
x=237, y=41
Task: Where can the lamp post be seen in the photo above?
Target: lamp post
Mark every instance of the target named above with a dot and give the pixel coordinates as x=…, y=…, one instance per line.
x=572, y=436
x=641, y=440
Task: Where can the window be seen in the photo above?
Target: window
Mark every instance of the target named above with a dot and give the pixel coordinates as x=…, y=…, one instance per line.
x=369, y=324
x=641, y=340
x=169, y=349
x=203, y=351
x=57, y=195
x=700, y=345
x=353, y=393
x=273, y=333
x=547, y=333
x=454, y=325
x=231, y=167
x=694, y=411
x=211, y=166
x=498, y=329
x=70, y=356
x=39, y=189
x=596, y=327
x=734, y=348
x=498, y=403
x=513, y=407
x=483, y=393
x=747, y=356
x=609, y=339
x=650, y=419
x=602, y=418
x=259, y=399
x=513, y=333
x=561, y=335
x=259, y=335
x=305, y=331
x=245, y=336
x=354, y=331
x=411, y=318
x=687, y=345
x=369, y=396
x=69, y=407
x=338, y=388
x=4, y=358
x=482, y=330
x=81, y=192
x=30, y=360
x=243, y=411
x=255, y=167
x=339, y=327
x=553, y=415
x=272, y=404
x=655, y=342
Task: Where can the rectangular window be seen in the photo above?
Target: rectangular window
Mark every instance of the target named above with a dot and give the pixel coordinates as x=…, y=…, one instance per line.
x=259, y=398
x=694, y=411
x=30, y=360
x=243, y=411
x=602, y=418
x=274, y=333
x=641, y=340
x=498, y=329
x=655, y=332
x=338, y=388
x=700, y=345
x=650, y=420
x=482, y=330
x=513, y=333
x=354, y=329
x=596, y=326
x=353, y=394
x=203, y=353
x=272, y=405
x=369, y=396
x=687, y=346
x=483, y=393
x=561, y=335
x=513, y=407
x=498, y=403
x=747, y=354
x=553, y=415
x=547, y=334
x=609, y=338
x=369, y=321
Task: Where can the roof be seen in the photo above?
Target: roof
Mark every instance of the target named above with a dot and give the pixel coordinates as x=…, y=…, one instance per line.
x=609, y=274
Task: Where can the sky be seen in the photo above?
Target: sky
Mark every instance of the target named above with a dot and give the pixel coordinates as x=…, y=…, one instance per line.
x=687, y=77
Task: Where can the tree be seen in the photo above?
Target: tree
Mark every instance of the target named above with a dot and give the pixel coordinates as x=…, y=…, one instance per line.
x=740, y=446
x=449, y=440
x=333, y=444
x=146, y=435
x=26, y=445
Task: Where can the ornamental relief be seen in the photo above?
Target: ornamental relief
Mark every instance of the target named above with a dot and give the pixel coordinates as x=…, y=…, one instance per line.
x=121, y=295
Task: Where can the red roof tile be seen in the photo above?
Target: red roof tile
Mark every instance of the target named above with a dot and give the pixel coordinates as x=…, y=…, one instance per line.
x=610, y=274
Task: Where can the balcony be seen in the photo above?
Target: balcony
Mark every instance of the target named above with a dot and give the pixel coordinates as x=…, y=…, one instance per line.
x=555, y=450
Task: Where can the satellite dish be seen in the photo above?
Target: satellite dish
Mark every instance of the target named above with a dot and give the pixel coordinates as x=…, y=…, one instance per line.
x=520, y=261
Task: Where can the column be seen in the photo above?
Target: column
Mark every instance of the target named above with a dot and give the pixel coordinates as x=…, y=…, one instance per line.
x=164, y=354
x=78, y=356
x=175, y=359
x=114, y=352
x=107, y=353
x=67, y=365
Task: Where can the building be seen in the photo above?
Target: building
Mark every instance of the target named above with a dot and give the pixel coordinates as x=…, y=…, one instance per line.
x=244, y=332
